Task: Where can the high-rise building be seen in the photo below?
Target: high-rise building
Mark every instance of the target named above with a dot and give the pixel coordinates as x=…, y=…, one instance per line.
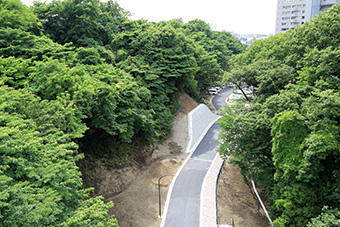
x=291, y=13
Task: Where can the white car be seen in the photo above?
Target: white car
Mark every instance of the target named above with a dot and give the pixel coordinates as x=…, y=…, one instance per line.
x=213, y=91
x=218, y=89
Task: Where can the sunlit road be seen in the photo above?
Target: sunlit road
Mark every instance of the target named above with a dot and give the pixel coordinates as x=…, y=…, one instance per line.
x=184, y=205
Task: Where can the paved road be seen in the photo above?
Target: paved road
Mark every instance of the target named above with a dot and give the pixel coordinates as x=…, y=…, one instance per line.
x=184, y=205
x=219, y=100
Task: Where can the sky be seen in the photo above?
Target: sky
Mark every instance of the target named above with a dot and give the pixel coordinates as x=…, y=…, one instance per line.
x=240, y=16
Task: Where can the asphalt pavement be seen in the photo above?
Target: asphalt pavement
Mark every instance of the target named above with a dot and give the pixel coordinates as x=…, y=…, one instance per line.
x=219, y=100
x=184, y=204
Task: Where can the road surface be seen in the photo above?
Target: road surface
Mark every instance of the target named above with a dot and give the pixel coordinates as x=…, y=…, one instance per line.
x=184, y=204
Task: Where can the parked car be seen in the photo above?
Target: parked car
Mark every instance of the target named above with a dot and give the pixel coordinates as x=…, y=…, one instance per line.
x=218, y=89
x=213, y=91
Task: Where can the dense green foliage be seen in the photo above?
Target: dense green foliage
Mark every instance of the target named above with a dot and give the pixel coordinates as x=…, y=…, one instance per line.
x=289, y=136
x=39, y=179
x=80, y=77
x=14, y=14
x=84, y=23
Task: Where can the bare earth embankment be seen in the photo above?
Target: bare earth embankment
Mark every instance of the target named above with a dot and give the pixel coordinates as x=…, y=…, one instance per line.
x=235, y=200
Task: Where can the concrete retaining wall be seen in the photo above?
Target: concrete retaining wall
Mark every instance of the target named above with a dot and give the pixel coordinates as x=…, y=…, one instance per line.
x=199, y=121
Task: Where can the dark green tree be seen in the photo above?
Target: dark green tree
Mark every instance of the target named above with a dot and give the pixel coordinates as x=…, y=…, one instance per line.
x=266, y=77
x=84, y=23
x=293, y=122
x=163, y=61
x=222, y=45
x=39, y=180
x=14, y=14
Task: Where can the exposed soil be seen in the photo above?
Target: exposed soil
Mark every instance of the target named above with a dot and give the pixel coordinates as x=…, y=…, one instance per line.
x=137, y=206
x=134, y=190
x=235, y=200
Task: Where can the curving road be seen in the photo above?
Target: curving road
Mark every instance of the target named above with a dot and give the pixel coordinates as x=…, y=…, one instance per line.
x=184, y=204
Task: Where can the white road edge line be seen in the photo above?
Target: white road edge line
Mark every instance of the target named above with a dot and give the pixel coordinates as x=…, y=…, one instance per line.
x=166, y=206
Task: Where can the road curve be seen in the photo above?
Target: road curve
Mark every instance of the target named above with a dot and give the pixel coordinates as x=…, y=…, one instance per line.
x=184, y=204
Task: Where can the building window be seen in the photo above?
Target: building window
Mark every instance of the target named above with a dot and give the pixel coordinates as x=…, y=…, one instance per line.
x=296, y=11
x=295, y=23
x=286, y=7
x=286, y=12
x=296, y=6
x=285, y=18
x=296, y=17
x=283, y=24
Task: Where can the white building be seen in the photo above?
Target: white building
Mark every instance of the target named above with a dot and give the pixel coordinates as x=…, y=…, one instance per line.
x=291, y=13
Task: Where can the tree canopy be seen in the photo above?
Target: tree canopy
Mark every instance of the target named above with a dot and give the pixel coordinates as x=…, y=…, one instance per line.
x=289, y=135
x=80, y=77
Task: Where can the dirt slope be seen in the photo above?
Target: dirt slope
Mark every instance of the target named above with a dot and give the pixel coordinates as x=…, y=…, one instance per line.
x=137, y=206
x=235, y=200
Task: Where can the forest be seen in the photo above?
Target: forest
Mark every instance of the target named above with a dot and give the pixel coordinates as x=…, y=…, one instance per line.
x=288, y=137
x=79, y=77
